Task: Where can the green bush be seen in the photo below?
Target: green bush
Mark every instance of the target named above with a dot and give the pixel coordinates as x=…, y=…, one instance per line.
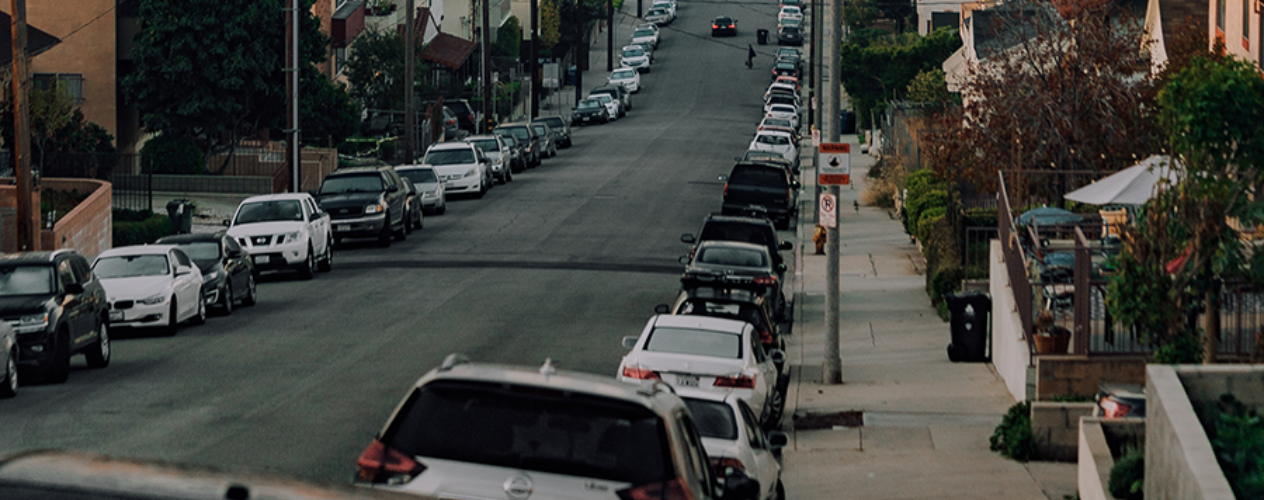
x=979, y=217
x=123, y=215
x=1127, y=477
x=141, y=232
x=167, y=154
x=1238, y=440
x=926, y=221
x=1013, y=437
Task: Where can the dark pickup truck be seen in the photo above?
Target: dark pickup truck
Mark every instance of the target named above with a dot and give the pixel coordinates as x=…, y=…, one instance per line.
x=769, y=187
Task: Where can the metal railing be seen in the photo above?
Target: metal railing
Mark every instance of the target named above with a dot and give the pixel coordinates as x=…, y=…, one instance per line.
x=1015, y=263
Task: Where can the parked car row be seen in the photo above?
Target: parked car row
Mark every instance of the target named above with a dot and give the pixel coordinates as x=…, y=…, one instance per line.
x=613, y=100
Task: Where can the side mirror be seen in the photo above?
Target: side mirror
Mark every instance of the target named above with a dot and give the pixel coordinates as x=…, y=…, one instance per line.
x=228, y=222
x=629, y=342
x=683, y=259
x=795, y=185
x=739, y=486
x=74, y=288
x=724, y=178
x=662, y=309
x=785, y=245
x=183, y=270
x=687, y=238
x=777, y=356
x=781, y=267
x=777, y=440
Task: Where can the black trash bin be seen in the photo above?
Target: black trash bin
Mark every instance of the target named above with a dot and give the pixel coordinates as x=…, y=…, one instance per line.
x=180, y=211
x=846, y=122
x=969, y=319
x=761, y=36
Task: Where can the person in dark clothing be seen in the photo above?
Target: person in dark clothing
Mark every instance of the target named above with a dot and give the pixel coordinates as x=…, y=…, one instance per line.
x=750, y=57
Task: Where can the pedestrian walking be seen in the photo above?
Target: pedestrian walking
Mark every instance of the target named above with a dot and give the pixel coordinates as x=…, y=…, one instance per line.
x=750, y=56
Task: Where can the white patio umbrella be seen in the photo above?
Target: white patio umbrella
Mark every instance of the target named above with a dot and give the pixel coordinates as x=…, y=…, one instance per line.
x=1131, y=186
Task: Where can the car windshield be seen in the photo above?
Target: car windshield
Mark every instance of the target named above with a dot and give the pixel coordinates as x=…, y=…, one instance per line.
x=588, y=104
x=633, y=52
x=130, y=266
x=519, y=133
x=539, y=129
x=785, y=65
x=26, y=280
x=746, y=233
x=535, y=429
x=419, y=175
x=775, y=140
x=450, y=156
x=649, y=33
x=653, y=12
x=697, y=342
x=487, y=145
x=730, y=310
x=758, y=175
x=555, y=121
x=201, y=250
x=601, y=97
x=362, y=183
x=714, y=419
x=776, y=122
x=729, y=256
x=268, y=211
x=623, y=74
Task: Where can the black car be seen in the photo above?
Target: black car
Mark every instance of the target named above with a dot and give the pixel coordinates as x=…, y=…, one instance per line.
x=57, y=309
x=228, y=274
x=517, y=153
x=790, y=35
x=773, y=158
x=724, y=26
x=365, y=202
x=525, y=134
x=752, y=227
x=763, y=186
x=560, y=126
x=732, y=264
x=590, y=111
x=785, y=68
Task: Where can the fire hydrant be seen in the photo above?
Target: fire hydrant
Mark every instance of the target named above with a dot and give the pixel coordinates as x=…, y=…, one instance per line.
x=820, y=236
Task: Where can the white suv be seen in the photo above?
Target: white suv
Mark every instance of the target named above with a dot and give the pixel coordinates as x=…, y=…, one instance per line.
x=488, y=431
x=461, y=167
x=284, y=231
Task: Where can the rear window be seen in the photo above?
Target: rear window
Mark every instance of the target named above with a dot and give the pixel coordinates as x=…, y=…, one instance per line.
x=533, y=429
x=487, y=145
x=450, y=157
x=634, y=52
x=359, y=183
x=623, y=74
x=697, y=342
x=746, y=233
x=727, y=256
x=520, y=133
x=729, y=310
x=419, y=176
x=641, y=33
x=775, y=140
x=713, y=419
x=555, y=121
x=763, y=176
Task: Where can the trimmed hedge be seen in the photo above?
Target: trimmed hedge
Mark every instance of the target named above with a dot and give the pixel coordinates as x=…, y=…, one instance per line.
x=139, y=232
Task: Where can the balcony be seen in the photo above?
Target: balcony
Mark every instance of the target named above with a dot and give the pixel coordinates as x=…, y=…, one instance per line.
x=346, y=24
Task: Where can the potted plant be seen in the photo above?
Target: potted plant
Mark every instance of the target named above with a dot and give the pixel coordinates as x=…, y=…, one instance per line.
x=1050, y=339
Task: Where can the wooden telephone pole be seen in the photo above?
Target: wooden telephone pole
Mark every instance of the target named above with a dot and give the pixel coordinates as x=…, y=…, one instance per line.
x=22, y=132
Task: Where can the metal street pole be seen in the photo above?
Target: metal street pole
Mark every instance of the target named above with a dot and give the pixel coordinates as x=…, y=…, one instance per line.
x=609, y=35
x=638, y=9
x=22, y=131
x=535, y=59
x=291, y=88
x=410, y=104
x=486, y=126
x=833, y=363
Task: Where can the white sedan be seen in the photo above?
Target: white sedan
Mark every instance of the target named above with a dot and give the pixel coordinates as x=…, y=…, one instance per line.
x=733, y=437
x=151, y=286
x=789, y=12
x=785, y=112
x=702, y=352
x=775, y=141
x=612, y=105
x=628, y=78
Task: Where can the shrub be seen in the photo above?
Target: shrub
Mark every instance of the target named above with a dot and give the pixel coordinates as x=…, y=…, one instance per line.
x=979, y=217
x=1128, y=475
x=879, y=193
x=168, y=154
x=141, y=232
x=926, y=221
x=1238, y=440
x=1013, y=437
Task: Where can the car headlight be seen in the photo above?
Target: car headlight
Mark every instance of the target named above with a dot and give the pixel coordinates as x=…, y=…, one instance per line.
x=470, y=173
x=149, y=301
x=210, y=276
x=373, y=209
x=31, y=323
x=290, y=237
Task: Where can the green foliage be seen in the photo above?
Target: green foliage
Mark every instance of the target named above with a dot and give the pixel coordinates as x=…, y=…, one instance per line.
x=876, y=69
x=979, y=217
x=1238, y=440
x=1013, y=437
x=509, y=37
x=327, y=113
x=1127, y=477
x=930, y=87
x=929, y=217
x=1182, y=350
x=59, y=202
x=130, y=232
x=169, y=154
x=1213, y=112
x=375, y=69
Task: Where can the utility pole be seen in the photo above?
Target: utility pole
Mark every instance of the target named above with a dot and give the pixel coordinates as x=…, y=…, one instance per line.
x=814, y=60
x=638, y=9
x=581, y=54
x=609, y=35
x=291, y=91
x=833, y=363
x=535, y=59
x=22, y=131
x=410, y=103
x=486, y=126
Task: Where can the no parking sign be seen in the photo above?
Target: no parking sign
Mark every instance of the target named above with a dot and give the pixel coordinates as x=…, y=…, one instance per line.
x=829, y=211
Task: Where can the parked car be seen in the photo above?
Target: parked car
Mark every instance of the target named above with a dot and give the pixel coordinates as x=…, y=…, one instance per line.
x=365, y=201
x=647, y=47
x=617, y=92
x=151, y=286
x=633, y=56
x=782, y=98
x=722, y=300
x=517, y=153
x=667, y=5
x=772, y=158
x=548, y=140
x=228, y=274
x=57, y=309
x=433, y=198
x=286, y=231
x=701, y=352
x=590, y=111
x=628, y=78
x=593, y=438
x=789, y=12
x=451, y=126
x=733, y=437
x=613, y=107
x=560, y=126
x=497, y=153
x=785, y=68
x=736, y=264
x=415, y=214
x=658, y=16
x=781, y=86
x=785, y=112
x=767, y=187
x=9, y=355
x=776, y=141
x=523, y=132
x=746, y=228
x=724, y=26
x=461, y=166
x=646, y=34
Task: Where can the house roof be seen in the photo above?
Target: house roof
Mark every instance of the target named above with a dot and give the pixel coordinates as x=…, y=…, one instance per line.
x=37, y=40
x=448, y=50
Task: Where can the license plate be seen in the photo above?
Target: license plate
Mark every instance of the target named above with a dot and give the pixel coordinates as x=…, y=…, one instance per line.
x=687, y=380
x=342, y=227
x=261, y=259
x=116, y=315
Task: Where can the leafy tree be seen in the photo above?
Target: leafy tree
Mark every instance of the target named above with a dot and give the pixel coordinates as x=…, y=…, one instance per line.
x=931, y=88
x=326, y=112
x=861, y=14
x=172, y=154
x=550, y=23
x=508, y=39
x=57, y=126
x=375, y=69
x=875, y=70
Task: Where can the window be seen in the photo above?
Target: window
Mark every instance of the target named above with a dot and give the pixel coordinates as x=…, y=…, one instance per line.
x=26, y=280
x=73, y=83
x=696, y=342
x=340, y=59
x=181, y=258
x=1246, y=22
x=1220, y=15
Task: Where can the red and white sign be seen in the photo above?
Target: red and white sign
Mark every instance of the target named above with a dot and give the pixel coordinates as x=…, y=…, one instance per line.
x=828, y=216
x=834, y=168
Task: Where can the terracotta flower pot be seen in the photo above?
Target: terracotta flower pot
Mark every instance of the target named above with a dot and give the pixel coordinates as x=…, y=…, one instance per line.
x=1055, y=342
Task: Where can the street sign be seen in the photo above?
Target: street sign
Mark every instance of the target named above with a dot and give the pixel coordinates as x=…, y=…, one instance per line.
x=816, y=137
x=835, y=164
x=829, y=211
x=551, y=76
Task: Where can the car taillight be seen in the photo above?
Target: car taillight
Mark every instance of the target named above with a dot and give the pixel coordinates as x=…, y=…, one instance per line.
x=640, y=373
x=715, y=26
x=738, y=382
x=720, y=464
x=765, y=337
x=726, y=189
x=669, y=490
x=1114, y=409
x=469, y=117
x=380, y=464
x=766, y=280
x=731, y=26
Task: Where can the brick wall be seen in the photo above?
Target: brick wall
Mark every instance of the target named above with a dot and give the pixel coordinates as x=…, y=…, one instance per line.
x=8, y=215
x=1080, y=376
x=89, y=227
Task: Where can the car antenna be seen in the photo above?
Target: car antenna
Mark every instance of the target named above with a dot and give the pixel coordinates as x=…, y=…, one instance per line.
x=548, y=368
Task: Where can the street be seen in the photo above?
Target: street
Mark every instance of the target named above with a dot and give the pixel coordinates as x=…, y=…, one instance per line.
x=560, y=263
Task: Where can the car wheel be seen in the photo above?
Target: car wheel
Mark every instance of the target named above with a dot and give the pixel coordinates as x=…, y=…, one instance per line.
x=482, y=189
x=172, y=323
x=251, y=296
x=226, y=299
x=402, y=233
x=327, y=263
x=99, y=356
x=307, y=270
x=384, y=238
x=10, y=386
x=508, y=176
x=408, y=221
x=58, y=369
x=200, y=317
x=777, y=406
x=443, y=206
x=780, y=491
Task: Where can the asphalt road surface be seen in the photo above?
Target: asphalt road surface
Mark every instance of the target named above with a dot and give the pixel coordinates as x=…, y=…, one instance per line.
x=561, y=263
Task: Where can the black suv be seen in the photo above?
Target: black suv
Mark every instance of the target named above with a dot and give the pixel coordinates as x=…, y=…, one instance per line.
x=525, y=134
x=747, y=228
x=57, y=308
x=365, y=202
x=762, y=186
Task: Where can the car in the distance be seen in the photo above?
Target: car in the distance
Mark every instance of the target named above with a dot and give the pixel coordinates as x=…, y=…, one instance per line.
x=633, y=56
x=724, y=26
x=784, y=112
x=415, y=214
x=667, y=5
x=517, y=152
x=228, y=274
x=287, y=231
x=789, y=12
x=776, y=141
x=785, y=68
x=613, y=106
x=764, y=186
x=658, y=16
x=151, y=286
x=727, y=300
x=628, y=78
x=527, y=137
x=561, y=126
x=590, y=111
x=617, y=92
x=790, y=35
x=461, y=166
x=365, y=201
x=433, y=198
x=548, y=140
x=646, y=34
x=751, y=227
x=497, y=153
x=56, y=308
x=739, y=265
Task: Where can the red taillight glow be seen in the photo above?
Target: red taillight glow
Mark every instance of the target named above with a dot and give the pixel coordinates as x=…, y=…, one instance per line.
x=670, y=490
x=726, y=189
x=765, y=337
x=382, y=465
x=719, y=464
x=738, y=382
x=766, y=280
x=715, y=26
x=1114, y=409
x=640, y=373
x=731, y=26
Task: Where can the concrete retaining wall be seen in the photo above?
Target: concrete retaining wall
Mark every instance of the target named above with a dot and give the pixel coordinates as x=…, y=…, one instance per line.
x=1095, y=459
x=1010, y=353
x=1056, y=428
x=1179, y=462
x=1080, y=375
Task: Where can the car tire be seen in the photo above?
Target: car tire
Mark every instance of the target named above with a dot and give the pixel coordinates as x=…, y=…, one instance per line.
x=402, y=233
x=251, y=292
x=9, y=386
x=508, y=176
x=199, y=318
x=384, y=238
x=443, y=208
x=307, y=270
x=408, y=222
x=172, y=323
x=226, y=300
x=326, y=264
x=482, y=189
x=779, y=493
x=58, y=369
x=99, y=356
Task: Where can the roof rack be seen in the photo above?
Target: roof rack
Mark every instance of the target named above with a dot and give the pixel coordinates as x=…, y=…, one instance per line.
x=452, y=361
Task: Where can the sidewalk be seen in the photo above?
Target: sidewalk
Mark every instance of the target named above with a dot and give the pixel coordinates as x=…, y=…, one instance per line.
x=926, y=420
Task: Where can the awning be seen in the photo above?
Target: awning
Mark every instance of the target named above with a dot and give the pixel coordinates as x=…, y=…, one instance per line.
x=37, y=41
x=448, y=50
x=346, y=24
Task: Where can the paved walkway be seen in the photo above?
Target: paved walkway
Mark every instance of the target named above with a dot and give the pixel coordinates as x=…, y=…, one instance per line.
x=926, y=420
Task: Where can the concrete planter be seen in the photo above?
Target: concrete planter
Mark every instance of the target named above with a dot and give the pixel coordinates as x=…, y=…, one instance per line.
x=1095, y=458
x=1055, y=427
